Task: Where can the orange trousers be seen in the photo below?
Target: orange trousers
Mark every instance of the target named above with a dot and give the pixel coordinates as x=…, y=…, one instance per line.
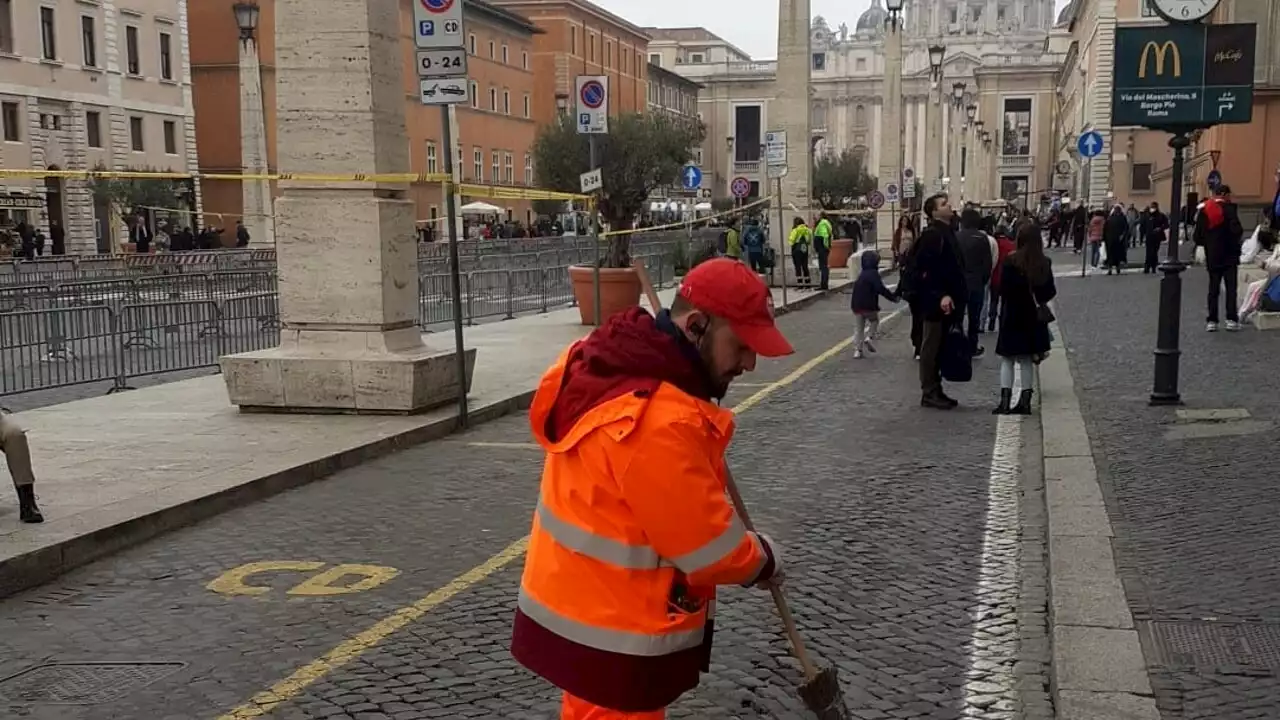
x=575, y=708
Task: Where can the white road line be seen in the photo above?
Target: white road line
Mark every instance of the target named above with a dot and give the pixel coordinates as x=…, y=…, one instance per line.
x=993, y=644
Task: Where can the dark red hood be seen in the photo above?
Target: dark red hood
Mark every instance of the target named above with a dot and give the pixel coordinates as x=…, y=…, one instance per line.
x=632, y=351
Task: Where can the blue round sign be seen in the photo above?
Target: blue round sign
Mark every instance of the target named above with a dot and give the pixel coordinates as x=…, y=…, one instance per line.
x=1214, y=179
x=592, y=94
x=1090, y=144
x=437, y=6
x=691, y=177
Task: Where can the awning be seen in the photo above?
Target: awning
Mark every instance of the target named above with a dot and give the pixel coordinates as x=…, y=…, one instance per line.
x=480, y=208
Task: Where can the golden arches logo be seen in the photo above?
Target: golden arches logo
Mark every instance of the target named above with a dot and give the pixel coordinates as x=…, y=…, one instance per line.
x=1161, y=50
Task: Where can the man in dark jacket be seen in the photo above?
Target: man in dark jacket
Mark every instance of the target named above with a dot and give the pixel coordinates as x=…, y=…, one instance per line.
x=1219, y=230
x=58, y=238
x=975, y=254
x=935, y=284
x=1153, y=230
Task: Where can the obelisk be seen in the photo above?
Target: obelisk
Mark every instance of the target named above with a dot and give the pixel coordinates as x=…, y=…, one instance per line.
x=789, y=112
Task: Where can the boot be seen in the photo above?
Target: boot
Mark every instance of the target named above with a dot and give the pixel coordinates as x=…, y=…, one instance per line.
x=1024, y=404
x=1006, y=398
x=28, y=511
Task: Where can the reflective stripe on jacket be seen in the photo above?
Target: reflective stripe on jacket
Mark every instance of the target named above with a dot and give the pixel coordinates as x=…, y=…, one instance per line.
x=631, y=534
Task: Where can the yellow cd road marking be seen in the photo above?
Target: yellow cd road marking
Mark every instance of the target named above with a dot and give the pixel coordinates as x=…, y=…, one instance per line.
x=355, y=646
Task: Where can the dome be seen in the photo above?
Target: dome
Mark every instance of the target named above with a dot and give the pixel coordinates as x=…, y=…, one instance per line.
x=874, y=18
x=1064, y=17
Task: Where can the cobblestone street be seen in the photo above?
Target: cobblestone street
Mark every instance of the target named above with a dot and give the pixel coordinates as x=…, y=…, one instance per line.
x=913, y=541
x=1190, y=491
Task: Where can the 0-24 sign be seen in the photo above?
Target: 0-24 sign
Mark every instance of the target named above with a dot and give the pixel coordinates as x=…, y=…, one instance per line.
x=442, y=63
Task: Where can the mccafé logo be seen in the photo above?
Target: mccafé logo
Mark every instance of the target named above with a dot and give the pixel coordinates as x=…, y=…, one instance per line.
x=1160, y=52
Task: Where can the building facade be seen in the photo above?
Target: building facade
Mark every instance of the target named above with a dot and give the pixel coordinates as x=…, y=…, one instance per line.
x=1135, y=166
x=86, y=84
x=997, y=48
x=579, y=38
x=493, y=135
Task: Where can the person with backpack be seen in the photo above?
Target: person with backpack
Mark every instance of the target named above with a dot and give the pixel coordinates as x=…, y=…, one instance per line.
x=753, y=242
x=1219, y=231
x=798, y=241
x=732, y=241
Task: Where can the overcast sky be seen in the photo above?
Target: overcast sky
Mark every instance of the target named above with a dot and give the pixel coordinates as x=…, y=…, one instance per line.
x=749, y=24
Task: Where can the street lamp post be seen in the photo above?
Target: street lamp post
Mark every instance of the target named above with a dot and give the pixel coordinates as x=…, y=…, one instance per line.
x=953, y=140
x=933, y=110
x=979, y=161
x=728, y=173
x=987, y=185
x=891, y=122
x=966, y=152
x=255, y=193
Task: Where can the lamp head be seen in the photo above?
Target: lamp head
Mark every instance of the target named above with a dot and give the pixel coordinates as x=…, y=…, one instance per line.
x=971, y=111
x=957, y=91
x=247, y=15
x=893, y=6
x=936, y=54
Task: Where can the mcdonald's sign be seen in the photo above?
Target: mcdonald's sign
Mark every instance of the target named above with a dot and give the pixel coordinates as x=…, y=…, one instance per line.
x=1159, y=52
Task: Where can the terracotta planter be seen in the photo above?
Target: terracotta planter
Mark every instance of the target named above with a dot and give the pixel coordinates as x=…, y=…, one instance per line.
x=619, y=290
x=840, y=251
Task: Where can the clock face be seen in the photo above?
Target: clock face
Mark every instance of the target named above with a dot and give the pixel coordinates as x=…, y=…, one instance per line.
x=1180, y=11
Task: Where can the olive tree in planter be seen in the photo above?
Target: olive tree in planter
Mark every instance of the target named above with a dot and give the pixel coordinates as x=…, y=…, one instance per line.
x=836, y=180
x=641, y=152
x=126, y=196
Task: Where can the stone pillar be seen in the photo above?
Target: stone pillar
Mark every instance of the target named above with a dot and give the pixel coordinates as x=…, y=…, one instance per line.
x=1099, y=168
x=790, y=112
x=892, y=130
x=346, y=252
x=256, y=194
x=932, y=172
x=955, y=138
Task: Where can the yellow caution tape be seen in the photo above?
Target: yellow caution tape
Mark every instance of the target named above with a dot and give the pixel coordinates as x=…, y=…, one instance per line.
x=678, y=225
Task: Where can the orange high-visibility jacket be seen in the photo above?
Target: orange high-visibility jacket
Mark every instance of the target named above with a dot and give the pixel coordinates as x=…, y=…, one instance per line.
x=632, y=533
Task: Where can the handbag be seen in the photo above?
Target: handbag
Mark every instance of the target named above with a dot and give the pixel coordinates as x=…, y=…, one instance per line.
x=1043, y=313
x=955, y=360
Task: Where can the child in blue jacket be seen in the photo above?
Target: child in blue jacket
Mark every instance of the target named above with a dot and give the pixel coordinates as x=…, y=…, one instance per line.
x=867, y=291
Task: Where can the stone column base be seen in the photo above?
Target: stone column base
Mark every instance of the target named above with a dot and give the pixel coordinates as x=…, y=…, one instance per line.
x=323, y=380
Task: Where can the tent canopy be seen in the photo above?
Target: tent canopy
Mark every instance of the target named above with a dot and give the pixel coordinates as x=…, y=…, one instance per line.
x=480, y=208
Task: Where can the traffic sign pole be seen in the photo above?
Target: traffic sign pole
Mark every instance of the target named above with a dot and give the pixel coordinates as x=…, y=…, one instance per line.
x=455, y=276
x=595, y=233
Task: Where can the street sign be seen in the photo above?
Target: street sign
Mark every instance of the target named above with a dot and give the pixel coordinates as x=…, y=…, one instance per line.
x=775, y=147
x=740, y=187
x=691, y=177
x=704, y=193
x=593, y=104
x=1214, y=180
x=891, y=193
x=773, y=172
x=1184, y=76
x=875, y=199
x=908, y=175
x=591, y=181
x=437, y=24
x=1090, y=144
x=442, y=63
x=443, y=91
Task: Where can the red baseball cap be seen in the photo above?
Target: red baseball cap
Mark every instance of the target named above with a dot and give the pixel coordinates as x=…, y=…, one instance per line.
x=731, y=291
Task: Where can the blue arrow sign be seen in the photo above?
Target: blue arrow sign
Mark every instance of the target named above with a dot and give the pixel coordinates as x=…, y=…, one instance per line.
x=1089, y=144
x=691, y=177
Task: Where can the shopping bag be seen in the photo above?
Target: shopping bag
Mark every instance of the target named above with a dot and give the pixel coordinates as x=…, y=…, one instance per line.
x=1249, y=251
x=955, y=361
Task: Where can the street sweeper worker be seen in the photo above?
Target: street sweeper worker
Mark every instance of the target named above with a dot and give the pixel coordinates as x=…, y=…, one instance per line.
x=633, y=530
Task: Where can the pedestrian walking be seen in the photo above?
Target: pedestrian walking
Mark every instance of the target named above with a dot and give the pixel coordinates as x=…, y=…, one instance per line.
x=1097, y=224
x=1026, y=288
x=1115, y=237
x=935, y=282
x=868, y=288
x=242, y=234
x=633, y=530
x=1154, y=230
x=17, y=455
x=903, y=238
x=1219, y=230
x=799, y=240
x=976, y=255
x=753, y=242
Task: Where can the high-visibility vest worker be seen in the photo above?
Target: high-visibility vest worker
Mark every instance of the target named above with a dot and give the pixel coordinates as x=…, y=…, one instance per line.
x=822, y=234
x=633, y=530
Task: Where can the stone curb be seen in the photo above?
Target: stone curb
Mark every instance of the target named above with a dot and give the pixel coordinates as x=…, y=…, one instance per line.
x=1098, y=669
x=29, y=569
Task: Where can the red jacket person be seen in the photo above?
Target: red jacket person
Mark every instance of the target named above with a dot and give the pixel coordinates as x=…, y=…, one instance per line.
x=633, y=530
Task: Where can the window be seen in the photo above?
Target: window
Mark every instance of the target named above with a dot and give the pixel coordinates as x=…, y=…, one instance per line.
x=506, y=102
x=170, y=137
x=493, y=99
x=508, y=169
x=524, y=60
x=608, y=54
x=492, y=55
x=591, y=47
x=655, y=59
x=471, y=43
x=819, y=61
x=88, y=40
x=747, y=134
x=93, y=128
x=505, y=54
x=861, y=64
x=697, y=156
x=495, y=177
x=1141, y=180
x=1014, y=188
x=475, y=95
x=697, y=58
x=860, y=115
x=573, y=40
x=6, y=26
x=819, y=115
x=166, y=56
x=528, y=170
x=526, y=105
x=9, y=111
x=431, y=156
x=135, y=134
x=131, y=49
x=1017, y=127
x=623, y=55
x=48, y=34
x=477, y=164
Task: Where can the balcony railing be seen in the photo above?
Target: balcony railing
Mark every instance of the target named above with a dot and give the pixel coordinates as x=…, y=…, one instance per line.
x=1017, y=161
x=748, y=167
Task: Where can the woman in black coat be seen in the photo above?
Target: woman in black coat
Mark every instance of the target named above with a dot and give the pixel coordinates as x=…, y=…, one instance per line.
x=1115, y=235
x=1026, y=285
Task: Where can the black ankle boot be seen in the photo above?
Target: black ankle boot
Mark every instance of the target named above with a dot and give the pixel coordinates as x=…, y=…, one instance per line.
x=1024, y=404
x=28, y=511
x=1006, y=399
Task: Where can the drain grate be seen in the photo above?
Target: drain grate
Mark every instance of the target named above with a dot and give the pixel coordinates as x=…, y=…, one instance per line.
x=1204, y=644
x=86, y=683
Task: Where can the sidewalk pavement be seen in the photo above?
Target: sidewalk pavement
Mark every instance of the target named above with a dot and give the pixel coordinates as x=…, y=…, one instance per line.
x=1163, y=532
x=115, y=470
